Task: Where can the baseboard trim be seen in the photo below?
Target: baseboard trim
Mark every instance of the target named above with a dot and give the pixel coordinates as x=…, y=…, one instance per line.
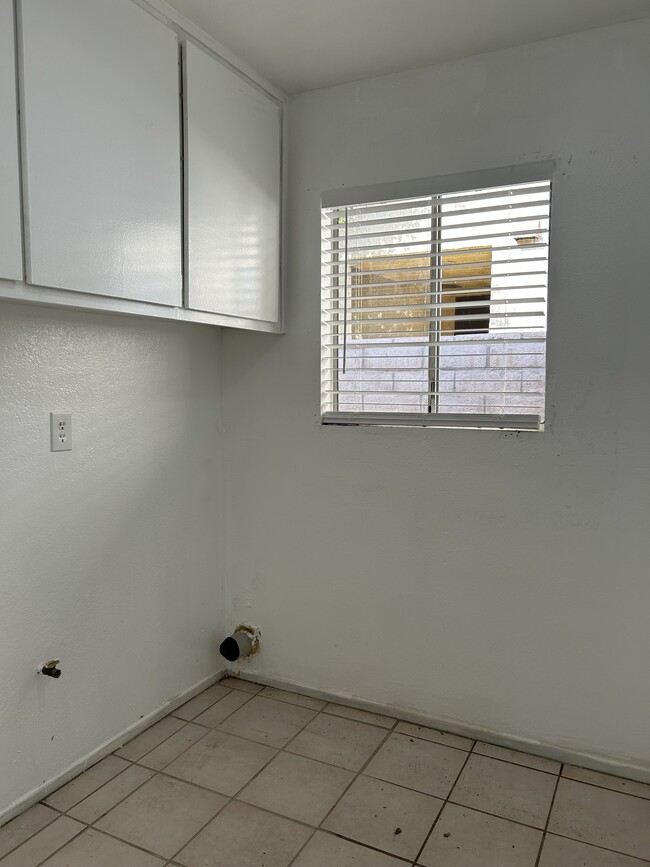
x=621, y=767
x=91, y=758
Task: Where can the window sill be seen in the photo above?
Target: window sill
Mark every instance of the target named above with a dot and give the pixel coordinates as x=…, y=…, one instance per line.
x=454, y=421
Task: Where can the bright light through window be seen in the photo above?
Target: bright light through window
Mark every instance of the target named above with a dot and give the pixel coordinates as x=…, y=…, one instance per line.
x=434, y=309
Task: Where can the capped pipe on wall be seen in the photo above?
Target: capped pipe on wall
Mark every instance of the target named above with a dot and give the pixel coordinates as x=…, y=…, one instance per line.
x=244, y=641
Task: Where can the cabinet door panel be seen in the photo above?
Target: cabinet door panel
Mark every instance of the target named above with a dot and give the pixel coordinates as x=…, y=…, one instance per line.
x=11, y=256
x=102, y=148
x=233, y=192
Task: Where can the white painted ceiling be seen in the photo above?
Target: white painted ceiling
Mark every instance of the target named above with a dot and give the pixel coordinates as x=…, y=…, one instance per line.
x=305, y=44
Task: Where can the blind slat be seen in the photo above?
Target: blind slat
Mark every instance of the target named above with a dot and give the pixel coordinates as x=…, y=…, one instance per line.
x=406, y=241
x=354, y=238
x=405, y=344
x=454, y=394
x=453, y=251
x=332, y=364
x=497, y=210
x=446, y=249
x=448, y=286
x=460, y=196
x=463, y=305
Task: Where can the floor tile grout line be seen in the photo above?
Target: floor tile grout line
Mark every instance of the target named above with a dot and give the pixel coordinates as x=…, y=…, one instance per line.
x=231, y=798
x=208, y=729
x=159, y=772
x=358, y=774
x=58, y=849
x=307, y=825
x=316, y=713
x=93, y=824
x=166, y=771
x=171, y=714
x=154, y=775
x=406, y=861
x=344, y=792
x=154, y=772
x=163, y=741
x=326, y=704
x=234, y=797
x=428, y=741
x=392, y=729
x=117, y=803
x=607, y=788
x=78, y=777
x=303, y=847
x=445, y=802
x=202, y=828
x=207, y=789
x=294, y=704
x=227, y=717
x=362, y=721
x=495, y=815
x=31, y=836
x=548, y=817
x=397, y=721
x=216, y=701
x=519, y=764
x=388, y=732
x=139, y=763
x=242, y=680
x=127, y=842
x=324, y=710
x=312, y=828
x=596, y=846
x=56, y=810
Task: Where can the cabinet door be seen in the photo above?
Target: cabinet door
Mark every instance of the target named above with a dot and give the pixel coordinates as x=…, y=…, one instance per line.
x=233, y=192
x=102, y=149
x=11, y=257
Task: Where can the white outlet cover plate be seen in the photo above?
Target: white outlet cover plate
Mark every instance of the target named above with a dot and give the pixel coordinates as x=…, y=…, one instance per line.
x=60, y=431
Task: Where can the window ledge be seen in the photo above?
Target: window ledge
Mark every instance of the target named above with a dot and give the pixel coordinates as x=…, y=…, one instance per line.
x=436, y=420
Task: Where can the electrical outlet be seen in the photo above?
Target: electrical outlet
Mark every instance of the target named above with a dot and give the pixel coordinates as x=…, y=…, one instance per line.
x=60, y=431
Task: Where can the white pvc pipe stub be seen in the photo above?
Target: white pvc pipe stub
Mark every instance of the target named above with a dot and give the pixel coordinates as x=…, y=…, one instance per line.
x=244, y=641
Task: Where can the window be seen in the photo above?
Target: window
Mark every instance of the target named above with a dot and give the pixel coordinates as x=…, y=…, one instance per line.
x=434, y=302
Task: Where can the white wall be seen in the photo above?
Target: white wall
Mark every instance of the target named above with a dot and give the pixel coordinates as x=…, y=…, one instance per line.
x=109, y=554
x=494, y=579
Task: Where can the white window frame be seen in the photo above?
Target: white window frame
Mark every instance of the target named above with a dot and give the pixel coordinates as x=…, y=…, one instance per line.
x=349, y=196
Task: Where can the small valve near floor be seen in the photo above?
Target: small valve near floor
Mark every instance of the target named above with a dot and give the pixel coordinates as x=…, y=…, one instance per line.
x=49, y=669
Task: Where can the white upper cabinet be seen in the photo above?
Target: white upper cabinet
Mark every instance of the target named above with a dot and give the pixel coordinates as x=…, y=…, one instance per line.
x=11, y=257
x=232, y=161
x=101, y=149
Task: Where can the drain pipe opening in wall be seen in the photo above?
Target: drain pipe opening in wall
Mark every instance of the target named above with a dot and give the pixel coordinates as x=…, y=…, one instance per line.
x=245, y=641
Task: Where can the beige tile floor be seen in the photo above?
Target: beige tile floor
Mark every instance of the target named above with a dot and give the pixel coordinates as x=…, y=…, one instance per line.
x=249, y=776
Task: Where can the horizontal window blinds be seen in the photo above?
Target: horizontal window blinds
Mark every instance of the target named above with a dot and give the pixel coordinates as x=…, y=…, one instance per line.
x=434, y=309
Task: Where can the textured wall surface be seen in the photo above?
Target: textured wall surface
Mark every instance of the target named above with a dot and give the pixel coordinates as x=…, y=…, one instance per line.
x=517, y=566
x=109, y=553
